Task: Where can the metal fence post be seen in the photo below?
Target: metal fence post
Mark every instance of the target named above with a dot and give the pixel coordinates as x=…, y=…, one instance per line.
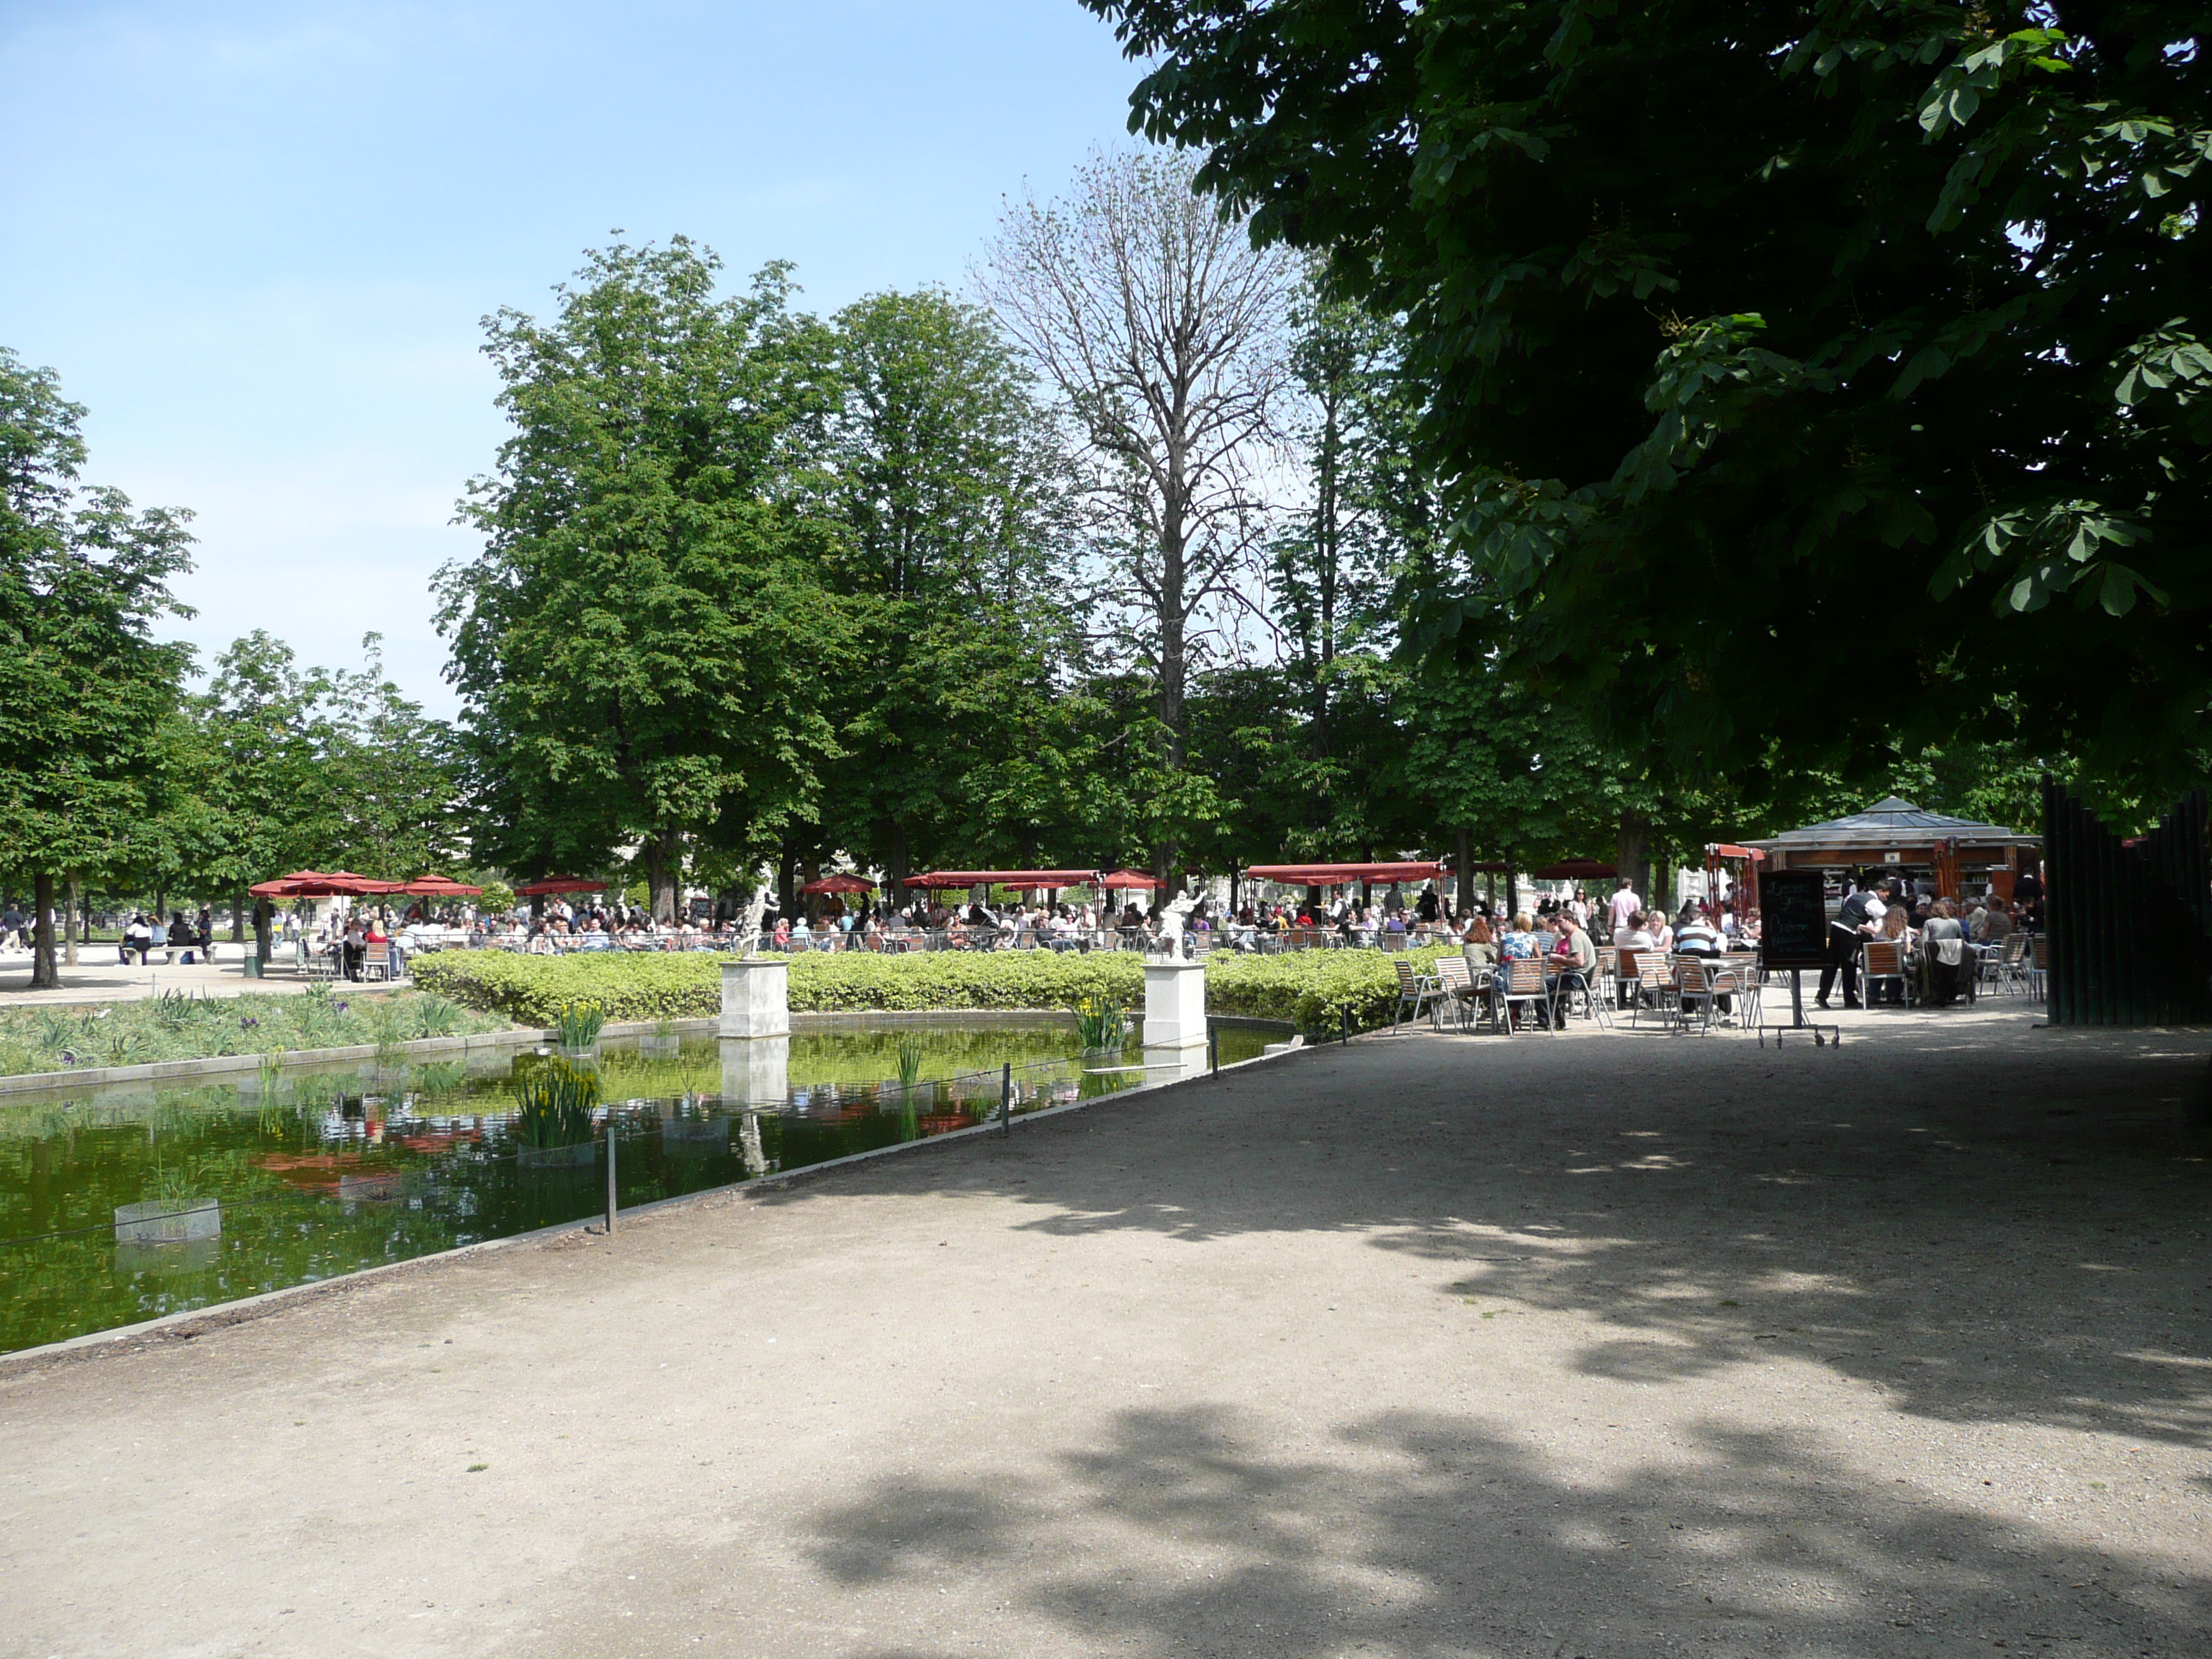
x=610, y=1172
x=1006, y=1099
x=1214, y=1045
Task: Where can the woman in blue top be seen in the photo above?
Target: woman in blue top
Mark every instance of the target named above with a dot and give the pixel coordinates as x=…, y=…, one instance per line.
x=1520, y=943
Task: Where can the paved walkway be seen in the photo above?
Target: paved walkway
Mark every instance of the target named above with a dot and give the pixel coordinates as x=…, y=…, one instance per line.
x=1427, y=1347
x=99, y=977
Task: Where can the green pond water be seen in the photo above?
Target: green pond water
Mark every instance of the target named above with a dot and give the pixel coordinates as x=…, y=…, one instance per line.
x=334, y=1171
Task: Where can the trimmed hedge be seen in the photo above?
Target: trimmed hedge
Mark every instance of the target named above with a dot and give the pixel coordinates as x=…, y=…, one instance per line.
x=1315, y=988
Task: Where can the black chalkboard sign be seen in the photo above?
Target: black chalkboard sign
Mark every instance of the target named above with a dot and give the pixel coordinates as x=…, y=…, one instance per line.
x=1793, y=919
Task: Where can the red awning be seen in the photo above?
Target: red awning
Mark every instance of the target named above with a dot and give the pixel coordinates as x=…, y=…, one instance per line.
x=1339, y=875
x=1724, y=850
x=840, y=884
x=560, y=884
x=317, y=884
x=1024, y=878
x=438, y=887
x=1129, y=878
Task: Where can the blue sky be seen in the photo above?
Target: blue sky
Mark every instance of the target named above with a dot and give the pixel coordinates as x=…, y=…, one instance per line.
x=258, y=239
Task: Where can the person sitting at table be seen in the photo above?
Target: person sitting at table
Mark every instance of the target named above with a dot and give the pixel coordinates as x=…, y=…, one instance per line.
x=375, y=942
x=1480, y=949
x=1945, y=963
x=1577, y=953
x=1634, y=932
x=1520, y=943
x=1697, y=936
x=350, y=946
x=1897, y=929
x=1662, y=936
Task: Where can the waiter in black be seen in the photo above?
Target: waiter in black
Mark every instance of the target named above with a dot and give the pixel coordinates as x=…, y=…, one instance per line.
x=1859, y=917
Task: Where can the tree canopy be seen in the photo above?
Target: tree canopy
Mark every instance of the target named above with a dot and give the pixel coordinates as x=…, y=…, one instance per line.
x=1821, y=373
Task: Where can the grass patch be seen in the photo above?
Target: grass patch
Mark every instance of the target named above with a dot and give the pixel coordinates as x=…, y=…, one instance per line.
x=178, y=1026
x=1315, y=988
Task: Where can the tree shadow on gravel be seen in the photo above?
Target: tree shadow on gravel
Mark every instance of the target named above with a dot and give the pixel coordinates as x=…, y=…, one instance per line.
x=2009, y=1229
x=1425, y=1534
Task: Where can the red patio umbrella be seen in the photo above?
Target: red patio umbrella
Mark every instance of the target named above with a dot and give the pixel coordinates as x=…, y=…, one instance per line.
x=560, y=884
x=1129, y=878
x=316, y=883
x=839, y=884
x=438, y=887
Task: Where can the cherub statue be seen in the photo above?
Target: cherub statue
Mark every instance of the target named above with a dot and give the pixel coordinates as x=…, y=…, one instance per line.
x=763, y=884
x=1175, y=924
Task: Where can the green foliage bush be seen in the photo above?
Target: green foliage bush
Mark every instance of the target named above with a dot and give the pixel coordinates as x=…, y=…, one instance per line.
x=1315, y=988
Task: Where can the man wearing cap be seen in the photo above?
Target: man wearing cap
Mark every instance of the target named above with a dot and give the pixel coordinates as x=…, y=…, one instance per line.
x=1859, y=917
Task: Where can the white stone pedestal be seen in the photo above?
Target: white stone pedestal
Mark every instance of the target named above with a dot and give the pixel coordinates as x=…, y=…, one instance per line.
x=756, y=997
x=756, y=1071
x=1175, y=1005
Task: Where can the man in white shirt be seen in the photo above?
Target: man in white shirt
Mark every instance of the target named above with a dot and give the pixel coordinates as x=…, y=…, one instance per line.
x=1624, y=905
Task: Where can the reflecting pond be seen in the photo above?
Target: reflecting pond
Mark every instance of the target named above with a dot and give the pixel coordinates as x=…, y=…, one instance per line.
x=328, y=1172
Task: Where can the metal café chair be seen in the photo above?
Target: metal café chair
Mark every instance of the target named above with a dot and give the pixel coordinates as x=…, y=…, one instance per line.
x=1654, y=989
x=1572, y=982
x=1880, y=962
x=1522, y=979
x=1455, y=991
x=1415, y=991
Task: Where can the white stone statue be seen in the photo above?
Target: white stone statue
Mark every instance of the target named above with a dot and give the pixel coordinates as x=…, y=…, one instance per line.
x=763, y=884
x=1175, y=924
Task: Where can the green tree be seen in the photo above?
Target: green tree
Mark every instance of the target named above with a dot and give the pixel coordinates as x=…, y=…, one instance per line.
x=647, y=635
x=391, y=776
x=1770, y=348
x=949, y=478
x=85, y=689
x=250, y=784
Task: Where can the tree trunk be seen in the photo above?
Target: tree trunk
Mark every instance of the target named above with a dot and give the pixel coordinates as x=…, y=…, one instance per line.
x=1660, y=897
x=237, y=918
x=897, y=859
x=44, y=974
x=663, y=868
x=261, y=919
x=1463, y=856
x=1634, y=852
x=72, y=920
x=1512, y=890
x=786, y=884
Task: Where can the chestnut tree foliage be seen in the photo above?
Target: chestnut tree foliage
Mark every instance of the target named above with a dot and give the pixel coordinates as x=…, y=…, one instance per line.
x=1817, y=375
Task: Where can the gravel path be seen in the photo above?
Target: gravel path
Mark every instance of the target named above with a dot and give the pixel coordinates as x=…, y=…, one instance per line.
x=1607, y=1347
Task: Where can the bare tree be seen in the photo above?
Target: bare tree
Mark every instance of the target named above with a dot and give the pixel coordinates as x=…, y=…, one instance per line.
x=1163, y=328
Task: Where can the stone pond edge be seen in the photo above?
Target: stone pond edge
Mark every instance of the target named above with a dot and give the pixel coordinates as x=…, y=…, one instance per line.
x=194, y=1322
